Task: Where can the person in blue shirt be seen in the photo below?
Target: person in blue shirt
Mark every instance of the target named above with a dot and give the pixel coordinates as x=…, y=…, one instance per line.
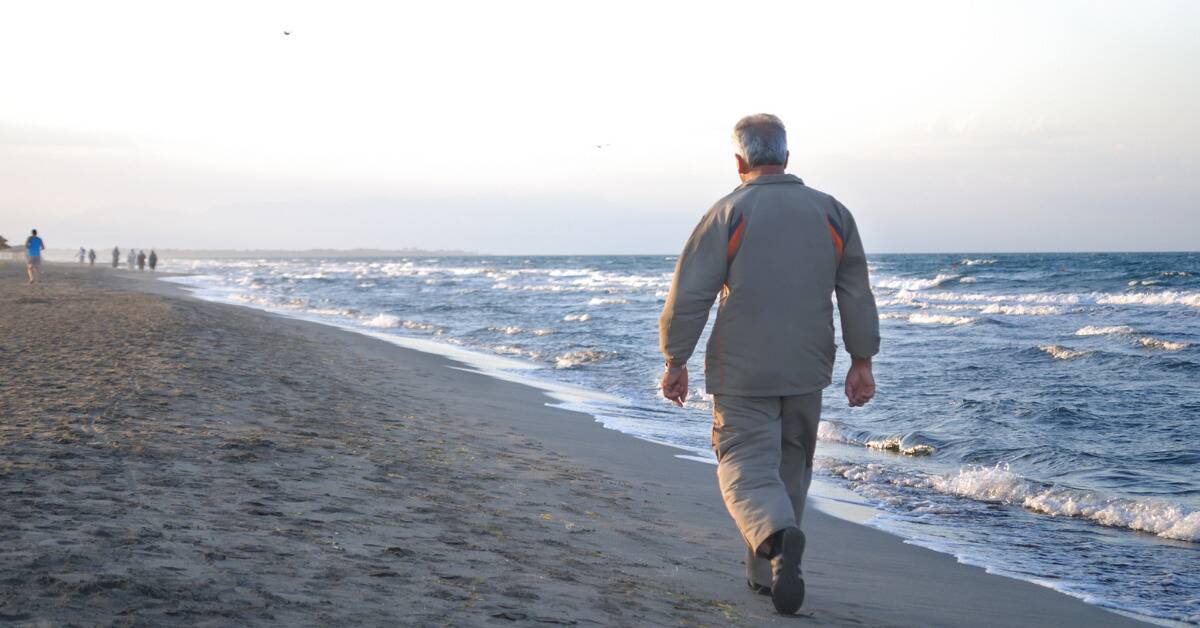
x=33, y=256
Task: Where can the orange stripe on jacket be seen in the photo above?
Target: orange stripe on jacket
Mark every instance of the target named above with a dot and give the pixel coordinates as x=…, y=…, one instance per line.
x=735, y=240
x=838, y=245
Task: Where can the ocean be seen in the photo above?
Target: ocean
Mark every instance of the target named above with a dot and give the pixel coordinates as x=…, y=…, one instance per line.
x=1037, y=414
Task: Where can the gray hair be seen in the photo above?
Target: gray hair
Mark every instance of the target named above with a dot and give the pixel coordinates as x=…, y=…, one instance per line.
x=761, y=140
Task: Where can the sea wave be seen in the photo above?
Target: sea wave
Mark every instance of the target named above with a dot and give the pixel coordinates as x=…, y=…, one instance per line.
x=1091, y=330
x=391, y=321
x=908, y=444
x=1049, y=298
x=575, y=359
x=384, y=321
x=1162, y=345
x=513, y=330
x=1166, y=297
x=899, y=283
x=1000, y=485
x=517, y=351
x=921, y=318
x=1022, y=310
x=1062, y=353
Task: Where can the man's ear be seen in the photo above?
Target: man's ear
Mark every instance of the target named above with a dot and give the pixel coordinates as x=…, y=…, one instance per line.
x=786, y=157
x=742, y=166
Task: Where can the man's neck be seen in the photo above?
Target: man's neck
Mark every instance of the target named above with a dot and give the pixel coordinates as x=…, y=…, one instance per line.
x=759, y=171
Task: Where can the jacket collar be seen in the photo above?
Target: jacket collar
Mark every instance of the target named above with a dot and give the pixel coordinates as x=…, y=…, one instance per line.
x=767, y=179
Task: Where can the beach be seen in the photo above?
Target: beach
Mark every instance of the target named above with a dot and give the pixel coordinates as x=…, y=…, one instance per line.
x=170, y=461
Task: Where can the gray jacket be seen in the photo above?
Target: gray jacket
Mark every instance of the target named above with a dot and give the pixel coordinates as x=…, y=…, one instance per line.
x=775, y=250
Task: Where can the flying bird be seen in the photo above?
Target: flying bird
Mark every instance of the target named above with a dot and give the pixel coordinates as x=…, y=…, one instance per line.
x=287, y=32
x=601, y=145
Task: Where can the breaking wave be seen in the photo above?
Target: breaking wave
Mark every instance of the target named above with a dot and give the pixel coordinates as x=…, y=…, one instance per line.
x=907, y=445
x=575, y=359
x=1162, y=345
x=999, y=485
x=1166, y=297
x=1062, y=353
x=1104, y=331
x=921, y=318
x=1022, y=310
x=897, y=283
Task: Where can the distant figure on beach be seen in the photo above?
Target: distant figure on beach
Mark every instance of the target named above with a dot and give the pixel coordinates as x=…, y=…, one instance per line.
x=116, y=257
x=131, y=259
x=82, y=254
x=33, y=256
x=141, y=259
x=91, y=257
x=775, y=250
x=153, y=259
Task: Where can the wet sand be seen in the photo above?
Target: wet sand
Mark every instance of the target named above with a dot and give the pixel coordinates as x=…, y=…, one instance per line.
x=166, y=461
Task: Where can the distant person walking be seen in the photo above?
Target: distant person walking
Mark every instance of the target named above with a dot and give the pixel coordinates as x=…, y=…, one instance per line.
x=33, y=256
x=131, y=259
x=153, y=259
x=82, y=255
x=775, y=250
x=91, y=257
x=141, y=259
x=116, y=257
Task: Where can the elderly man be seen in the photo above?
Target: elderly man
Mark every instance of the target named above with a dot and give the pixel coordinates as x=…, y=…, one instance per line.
x=775, y=250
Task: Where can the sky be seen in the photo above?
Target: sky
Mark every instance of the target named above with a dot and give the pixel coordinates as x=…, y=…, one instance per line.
x=944, y=126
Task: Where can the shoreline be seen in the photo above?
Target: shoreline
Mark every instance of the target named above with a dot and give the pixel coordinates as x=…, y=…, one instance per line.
x=657, y=518
x=829, y=497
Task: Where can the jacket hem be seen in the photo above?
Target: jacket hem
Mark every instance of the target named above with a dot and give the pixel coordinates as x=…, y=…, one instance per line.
x=787, y=391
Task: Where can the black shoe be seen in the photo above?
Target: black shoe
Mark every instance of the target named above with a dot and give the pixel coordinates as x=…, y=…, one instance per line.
x=787, y=590
x=758, y=588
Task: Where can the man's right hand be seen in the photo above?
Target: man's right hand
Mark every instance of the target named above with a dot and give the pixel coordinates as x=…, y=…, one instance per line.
x=860, y=382
x=675, y=385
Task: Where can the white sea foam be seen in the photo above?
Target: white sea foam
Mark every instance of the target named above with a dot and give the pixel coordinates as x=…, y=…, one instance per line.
x=607, y=301
x=834, y=432
x=1162, y=345
x=1062, y=353
x=513, y=350
x=896, y=444
x=384, y=321
x=1091, y=330
x=1022, y=310
x=899, y=283
x=577, y=317
x=921, y=318
x=977, y=262
x=391, y=321
x=576, y=359
x=513, y=330
x=1001, y=485
x=1166, y=297
x=968, y=280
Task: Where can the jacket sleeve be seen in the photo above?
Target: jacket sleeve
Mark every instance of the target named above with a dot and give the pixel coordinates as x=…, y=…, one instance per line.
x=856, y=304
x=699, y=277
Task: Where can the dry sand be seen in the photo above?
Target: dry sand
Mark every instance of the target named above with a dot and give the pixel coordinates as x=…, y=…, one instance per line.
x=165, y=461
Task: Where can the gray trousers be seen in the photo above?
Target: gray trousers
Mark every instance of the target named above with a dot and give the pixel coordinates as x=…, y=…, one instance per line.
x=764, y=448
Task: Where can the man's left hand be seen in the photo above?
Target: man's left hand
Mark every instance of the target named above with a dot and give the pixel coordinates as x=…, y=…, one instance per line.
x=675, y=385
